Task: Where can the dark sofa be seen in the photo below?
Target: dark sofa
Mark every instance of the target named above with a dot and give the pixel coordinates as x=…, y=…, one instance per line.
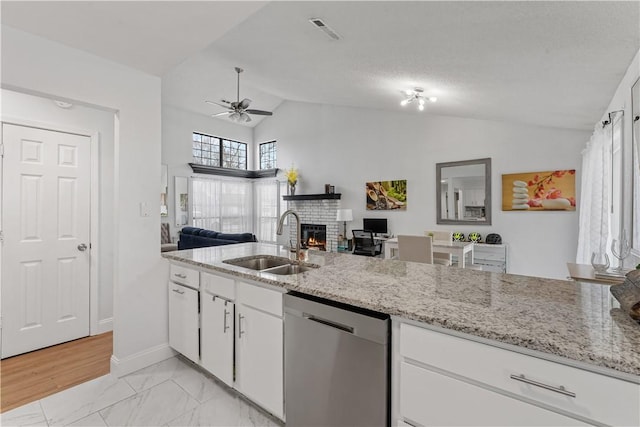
x=192, y=237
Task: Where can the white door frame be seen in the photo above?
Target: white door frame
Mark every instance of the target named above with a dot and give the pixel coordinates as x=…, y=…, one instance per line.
x=94, y=267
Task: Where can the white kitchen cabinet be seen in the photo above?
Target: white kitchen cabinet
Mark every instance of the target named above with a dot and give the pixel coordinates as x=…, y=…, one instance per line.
x=259, y=348
x=497, y=384
x=183, y=320
x=433, y=399
x=217, y=336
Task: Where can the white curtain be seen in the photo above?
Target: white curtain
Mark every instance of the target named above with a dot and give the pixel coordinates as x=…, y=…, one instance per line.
x=267, y=210
x=595, y=200
x=222, y=205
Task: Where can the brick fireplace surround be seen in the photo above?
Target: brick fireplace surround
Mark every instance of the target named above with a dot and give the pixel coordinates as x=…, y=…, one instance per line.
x=320, y=212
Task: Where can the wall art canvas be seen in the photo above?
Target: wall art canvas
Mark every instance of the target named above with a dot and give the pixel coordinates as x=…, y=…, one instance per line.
x=539, y=191
x=386, y=195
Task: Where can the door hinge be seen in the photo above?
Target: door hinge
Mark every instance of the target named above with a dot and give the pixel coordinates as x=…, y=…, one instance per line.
x=1, y=236
x=1, y=150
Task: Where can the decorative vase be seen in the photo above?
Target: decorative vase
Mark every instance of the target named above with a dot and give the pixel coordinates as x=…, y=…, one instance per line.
x=292, y=189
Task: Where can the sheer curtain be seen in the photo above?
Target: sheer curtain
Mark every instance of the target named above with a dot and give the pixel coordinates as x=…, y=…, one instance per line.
x=267, y=210
x=595, y=200
x=222, y=205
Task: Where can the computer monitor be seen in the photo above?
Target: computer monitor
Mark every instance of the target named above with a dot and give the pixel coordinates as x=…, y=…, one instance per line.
x=375, y=225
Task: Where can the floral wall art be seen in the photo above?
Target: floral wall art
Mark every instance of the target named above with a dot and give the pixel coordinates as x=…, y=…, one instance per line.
x=539, y=191
x=386, y=195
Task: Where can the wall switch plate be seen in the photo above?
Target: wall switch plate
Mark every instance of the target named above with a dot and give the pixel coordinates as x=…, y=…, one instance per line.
x=144, y=209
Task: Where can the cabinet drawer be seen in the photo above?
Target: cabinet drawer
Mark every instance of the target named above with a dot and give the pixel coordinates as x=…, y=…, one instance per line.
x=597, y=397
x=261, y=298
x=432, y=399
x=217, y=285
x=184, y=275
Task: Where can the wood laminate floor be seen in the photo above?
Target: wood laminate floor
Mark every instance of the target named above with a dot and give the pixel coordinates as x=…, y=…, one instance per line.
x=32, y=376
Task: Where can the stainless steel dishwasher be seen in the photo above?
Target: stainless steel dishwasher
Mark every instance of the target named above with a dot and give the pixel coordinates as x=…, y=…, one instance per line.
x=336, y=364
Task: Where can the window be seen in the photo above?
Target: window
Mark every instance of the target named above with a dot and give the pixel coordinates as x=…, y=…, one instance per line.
x=213, y=151
x=268, y=155
x=222, y=205
x=268, y=207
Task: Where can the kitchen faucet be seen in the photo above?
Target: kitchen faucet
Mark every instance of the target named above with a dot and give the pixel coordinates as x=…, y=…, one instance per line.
x=281, y=224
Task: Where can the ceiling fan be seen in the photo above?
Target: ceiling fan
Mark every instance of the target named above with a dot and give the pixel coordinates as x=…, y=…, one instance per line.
x=238, y=111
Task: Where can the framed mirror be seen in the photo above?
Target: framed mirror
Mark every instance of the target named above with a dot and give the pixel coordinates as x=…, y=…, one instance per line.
x=463, y=192
x=635, y=172
x=181, y=196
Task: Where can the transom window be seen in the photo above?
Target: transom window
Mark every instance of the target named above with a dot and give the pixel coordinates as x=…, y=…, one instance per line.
x=214, y=151
x=268, y=155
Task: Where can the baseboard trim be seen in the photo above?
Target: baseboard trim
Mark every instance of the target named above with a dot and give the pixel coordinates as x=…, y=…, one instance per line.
x=105, y=325
x=142, y=359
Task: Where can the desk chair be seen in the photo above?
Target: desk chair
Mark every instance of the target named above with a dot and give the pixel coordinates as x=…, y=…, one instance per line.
x=415, y=248
x=364, y=244
x=444, y=236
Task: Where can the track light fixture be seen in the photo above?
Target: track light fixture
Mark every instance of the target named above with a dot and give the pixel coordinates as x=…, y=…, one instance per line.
x=416, y=94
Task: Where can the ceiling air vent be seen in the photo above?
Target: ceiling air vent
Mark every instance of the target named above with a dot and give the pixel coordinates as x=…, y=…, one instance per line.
x=319, y=24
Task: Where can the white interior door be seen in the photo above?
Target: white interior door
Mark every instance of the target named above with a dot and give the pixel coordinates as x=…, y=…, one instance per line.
x=45, y=254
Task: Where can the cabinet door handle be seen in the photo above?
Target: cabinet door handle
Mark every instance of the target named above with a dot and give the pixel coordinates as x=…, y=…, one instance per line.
x=240, y=331
x=180, y=275
x=560, y=389
x=178, y=291
x=224, y=322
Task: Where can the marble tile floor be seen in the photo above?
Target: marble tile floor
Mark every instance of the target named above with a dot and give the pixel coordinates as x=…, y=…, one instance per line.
x=171, y=393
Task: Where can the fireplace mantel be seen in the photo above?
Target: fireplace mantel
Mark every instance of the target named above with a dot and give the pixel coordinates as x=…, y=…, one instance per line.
x=334, y=196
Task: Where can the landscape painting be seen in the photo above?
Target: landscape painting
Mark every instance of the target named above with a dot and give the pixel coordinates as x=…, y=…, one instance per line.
x=539, y=191
x=386, y=195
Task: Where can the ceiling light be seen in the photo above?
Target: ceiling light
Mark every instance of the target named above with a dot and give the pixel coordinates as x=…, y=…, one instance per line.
x=416, y=95
x=63, y=104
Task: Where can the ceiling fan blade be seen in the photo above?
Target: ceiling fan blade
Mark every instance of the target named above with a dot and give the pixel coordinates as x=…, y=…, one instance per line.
x=244, y=104
x=222, y=114
x=218, y=104
x=260, y=112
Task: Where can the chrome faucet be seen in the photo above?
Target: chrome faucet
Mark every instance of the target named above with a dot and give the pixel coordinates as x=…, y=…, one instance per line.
x=281, y=224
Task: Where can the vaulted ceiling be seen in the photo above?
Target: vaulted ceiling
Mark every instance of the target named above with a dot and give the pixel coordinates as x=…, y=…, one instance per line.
x=544, y=63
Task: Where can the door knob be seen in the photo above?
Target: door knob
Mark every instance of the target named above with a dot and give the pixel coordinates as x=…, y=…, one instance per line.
x=82, y=247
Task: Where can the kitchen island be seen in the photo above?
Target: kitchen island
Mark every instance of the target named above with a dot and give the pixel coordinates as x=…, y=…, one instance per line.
x=568, y=323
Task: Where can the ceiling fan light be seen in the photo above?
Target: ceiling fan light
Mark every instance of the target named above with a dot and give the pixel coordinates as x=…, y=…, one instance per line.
x=404, y=102
x=433, y=99
x=421, y=101
x=408, y=92
x=421, y=107
x=234, y=116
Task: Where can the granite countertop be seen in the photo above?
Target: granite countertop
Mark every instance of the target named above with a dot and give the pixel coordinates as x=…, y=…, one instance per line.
x=575, y=320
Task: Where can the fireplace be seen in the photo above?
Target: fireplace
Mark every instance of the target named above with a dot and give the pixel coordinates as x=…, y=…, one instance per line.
x=314, y=236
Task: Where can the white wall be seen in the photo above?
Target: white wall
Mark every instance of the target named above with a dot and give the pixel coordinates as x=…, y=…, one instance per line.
x=347, y=147
x=177, y=129
x=31, y=63
x=622, y=101
x=22, y=106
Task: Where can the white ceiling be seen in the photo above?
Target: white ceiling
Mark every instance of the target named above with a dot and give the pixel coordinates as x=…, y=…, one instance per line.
x=543, y=63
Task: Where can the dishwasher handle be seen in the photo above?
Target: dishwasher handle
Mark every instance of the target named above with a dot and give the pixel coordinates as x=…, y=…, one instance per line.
x=345, y=328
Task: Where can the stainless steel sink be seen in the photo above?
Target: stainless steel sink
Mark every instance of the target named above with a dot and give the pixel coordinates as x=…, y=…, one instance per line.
x=270, y=264
x=284, y=270
x=259, y=263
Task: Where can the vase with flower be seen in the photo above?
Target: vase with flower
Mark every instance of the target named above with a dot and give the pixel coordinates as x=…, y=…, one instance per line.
x=292, y=180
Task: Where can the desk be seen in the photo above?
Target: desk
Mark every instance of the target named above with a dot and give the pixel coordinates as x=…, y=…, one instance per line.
x=460, y=249
x=585, y=273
